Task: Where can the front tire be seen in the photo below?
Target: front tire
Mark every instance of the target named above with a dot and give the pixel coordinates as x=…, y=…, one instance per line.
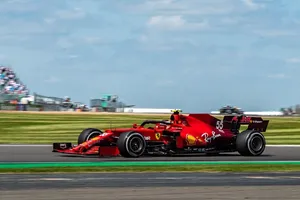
x=131, y=144
x=88, y=134
x=250, y=143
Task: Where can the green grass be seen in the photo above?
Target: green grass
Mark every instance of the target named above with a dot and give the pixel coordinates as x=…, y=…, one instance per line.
x=183, y=168
x=22, y=128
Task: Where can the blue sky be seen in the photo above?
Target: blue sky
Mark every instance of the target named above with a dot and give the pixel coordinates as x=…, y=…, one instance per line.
x=197, y=55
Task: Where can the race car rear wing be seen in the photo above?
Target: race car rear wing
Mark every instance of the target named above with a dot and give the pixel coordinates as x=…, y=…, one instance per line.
x=254, y=123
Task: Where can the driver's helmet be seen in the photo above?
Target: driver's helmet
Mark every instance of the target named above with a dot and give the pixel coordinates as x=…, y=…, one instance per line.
x=175, y=117
x=176, y=111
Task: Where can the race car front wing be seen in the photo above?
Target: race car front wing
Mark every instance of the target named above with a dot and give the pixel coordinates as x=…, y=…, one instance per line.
x=102, y=151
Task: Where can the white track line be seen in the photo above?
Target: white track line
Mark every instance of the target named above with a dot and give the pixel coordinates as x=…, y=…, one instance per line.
x=48, y=145
x=284, y=145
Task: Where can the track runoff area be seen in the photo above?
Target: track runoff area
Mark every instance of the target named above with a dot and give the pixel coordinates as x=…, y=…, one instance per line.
x=25, y=154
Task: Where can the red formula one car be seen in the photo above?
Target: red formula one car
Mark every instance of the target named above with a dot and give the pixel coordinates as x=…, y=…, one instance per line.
x=193, y=133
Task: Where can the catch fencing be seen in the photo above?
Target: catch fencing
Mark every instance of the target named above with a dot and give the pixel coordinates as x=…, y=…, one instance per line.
x=48, y=103
x=6, y=98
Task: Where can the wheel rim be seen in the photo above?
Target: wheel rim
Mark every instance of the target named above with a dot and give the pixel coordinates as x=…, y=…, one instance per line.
x=136, y=145
x=256, y=144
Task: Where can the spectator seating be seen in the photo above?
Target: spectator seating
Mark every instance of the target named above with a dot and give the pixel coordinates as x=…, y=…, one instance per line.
x=10, y=85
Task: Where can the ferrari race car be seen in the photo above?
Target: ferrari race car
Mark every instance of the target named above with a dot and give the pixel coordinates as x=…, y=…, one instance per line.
x=182, y=134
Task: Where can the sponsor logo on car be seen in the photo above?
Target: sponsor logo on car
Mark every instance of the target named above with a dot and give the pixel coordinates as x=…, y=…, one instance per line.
x=255, y=121
x=192, y=140
x=157, y=136
x=147, y=137
x=210, y=137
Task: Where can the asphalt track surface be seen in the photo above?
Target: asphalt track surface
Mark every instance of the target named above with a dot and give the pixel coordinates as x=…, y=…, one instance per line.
x=146, y=186
x=16, y=153
x=151, y=186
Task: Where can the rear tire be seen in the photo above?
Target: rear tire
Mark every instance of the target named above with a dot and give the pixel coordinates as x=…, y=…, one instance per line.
x=88, y=134
x=131, y=144
x=250, y=143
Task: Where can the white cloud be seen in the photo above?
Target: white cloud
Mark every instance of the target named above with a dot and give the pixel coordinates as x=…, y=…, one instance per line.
x=175, y=22
x=73, y=56
x=143, y=38
x=277, y=76
x=186, y=7
x=92, y=40
x=151, y=5
x=168, y=22
x=293, y=60
x=17, y=6
x=157, y=4
x=49, y=20
x=72, y=14
x=250, y=4
x=195, y=7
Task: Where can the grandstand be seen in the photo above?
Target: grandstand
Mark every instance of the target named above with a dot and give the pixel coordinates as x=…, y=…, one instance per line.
x=14, y=92
x=11, y=87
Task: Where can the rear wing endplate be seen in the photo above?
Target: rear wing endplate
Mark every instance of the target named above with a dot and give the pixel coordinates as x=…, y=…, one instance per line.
x=254, y=123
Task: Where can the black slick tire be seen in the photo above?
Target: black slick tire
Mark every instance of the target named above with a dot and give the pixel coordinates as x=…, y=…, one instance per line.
x=88, y=134
x=250, y=143
x=131, y=144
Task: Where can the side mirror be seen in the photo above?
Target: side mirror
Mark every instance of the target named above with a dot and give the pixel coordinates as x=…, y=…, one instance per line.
x=134, y=126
